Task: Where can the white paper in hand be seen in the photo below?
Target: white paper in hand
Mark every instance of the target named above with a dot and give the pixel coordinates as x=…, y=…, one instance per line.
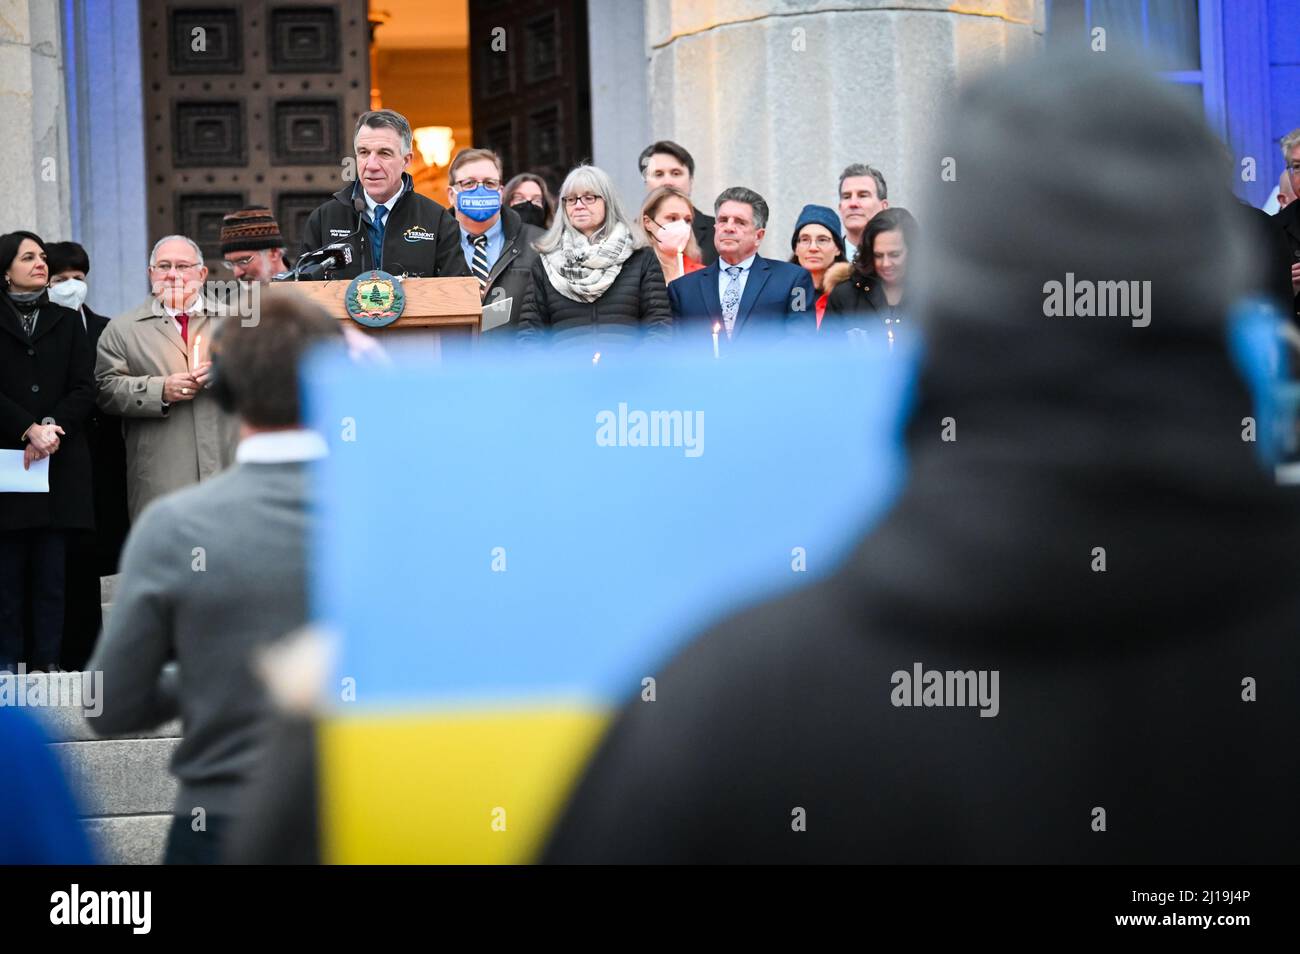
x=13, y=479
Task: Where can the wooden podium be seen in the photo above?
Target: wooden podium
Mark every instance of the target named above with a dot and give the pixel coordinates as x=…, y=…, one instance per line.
x=435, y=307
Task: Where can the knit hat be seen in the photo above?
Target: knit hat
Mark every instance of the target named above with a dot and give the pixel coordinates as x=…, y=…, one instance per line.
x=250, y=230
x=819, y=215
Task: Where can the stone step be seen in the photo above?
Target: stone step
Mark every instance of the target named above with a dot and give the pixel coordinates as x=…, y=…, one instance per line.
x=129, y=839
x=61, y=702
x=119, y=776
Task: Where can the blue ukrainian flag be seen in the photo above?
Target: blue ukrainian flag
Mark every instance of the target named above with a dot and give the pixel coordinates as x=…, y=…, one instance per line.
x=509, y=549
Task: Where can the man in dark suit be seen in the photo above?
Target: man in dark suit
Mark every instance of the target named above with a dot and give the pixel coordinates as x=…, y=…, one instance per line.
x=742, y=290
x=666, y=163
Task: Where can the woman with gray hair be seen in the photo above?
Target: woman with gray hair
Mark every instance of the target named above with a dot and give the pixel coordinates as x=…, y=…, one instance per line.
x=596, y=287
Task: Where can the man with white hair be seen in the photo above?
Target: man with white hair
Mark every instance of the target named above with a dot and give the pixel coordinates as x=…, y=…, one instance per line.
x=153, y=368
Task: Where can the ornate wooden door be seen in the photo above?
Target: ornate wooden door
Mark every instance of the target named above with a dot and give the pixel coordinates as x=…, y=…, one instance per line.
x=531, y=85
x=249, y=102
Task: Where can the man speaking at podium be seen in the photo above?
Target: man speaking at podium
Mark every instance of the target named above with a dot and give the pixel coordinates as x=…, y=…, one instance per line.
x=380, y=218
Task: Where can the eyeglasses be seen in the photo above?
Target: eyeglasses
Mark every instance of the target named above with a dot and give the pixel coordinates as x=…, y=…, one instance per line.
x=821, y=241
x=467, y=185
x=234, y=263
x=572, y=200
x=162, y=268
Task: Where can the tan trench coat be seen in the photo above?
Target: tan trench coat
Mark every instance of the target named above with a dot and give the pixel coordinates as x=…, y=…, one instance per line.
x=170, y=448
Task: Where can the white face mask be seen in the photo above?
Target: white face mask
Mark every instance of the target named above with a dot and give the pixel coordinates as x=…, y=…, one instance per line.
x=70, y=293
x=675, y=235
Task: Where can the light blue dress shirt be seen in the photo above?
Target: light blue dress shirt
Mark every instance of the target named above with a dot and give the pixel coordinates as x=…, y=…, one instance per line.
x=724, y=279
x=496, y=242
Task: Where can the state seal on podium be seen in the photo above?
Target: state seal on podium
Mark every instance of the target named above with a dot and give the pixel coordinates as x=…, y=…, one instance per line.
x=375, y=299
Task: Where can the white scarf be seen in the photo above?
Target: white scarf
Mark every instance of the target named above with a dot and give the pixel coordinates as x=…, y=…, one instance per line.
x=582, y=270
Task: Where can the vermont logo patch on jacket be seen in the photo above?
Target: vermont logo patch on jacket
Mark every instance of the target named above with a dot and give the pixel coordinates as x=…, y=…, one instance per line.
x=417, y=233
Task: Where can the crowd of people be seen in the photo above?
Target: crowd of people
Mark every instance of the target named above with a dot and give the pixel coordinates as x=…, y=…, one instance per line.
x=167, y=416
x=125, y=411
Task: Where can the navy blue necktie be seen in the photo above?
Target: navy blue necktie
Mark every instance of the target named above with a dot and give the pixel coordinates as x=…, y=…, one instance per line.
x=381, y=213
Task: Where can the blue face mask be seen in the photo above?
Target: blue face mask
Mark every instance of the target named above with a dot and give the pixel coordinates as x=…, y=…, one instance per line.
x=479, y=203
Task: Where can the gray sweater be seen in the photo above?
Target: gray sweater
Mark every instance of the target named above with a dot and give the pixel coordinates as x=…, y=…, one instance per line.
x=209, y=574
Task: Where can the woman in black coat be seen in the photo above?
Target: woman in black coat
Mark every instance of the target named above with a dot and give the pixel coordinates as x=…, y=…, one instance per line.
x=47, y=392
x=874, y=299
x=596, y=287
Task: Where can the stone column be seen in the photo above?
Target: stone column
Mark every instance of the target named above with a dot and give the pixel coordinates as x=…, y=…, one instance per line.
x=619, y=110
x=106, y=144
x=781, y=95
x=33, y=126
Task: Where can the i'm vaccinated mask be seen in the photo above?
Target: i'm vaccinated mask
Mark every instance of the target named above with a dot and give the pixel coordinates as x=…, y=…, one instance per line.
x=479, y=204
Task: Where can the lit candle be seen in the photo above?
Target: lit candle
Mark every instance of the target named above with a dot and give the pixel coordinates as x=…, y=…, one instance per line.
x=681, y=267
x=716, y=328
x=198, y=351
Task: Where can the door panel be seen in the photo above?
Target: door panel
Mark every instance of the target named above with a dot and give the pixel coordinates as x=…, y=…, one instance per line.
x=532, y=100
x=249, y=102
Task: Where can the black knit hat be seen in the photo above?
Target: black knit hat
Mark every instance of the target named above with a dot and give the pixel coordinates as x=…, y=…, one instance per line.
x=250, y=230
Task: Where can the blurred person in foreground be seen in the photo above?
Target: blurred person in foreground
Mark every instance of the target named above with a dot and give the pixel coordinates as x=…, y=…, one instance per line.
x=1098, y=534
x=213, y=573
x=39, y=821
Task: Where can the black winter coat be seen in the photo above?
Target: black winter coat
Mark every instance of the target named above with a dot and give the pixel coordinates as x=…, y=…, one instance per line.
x=1121, y=689
x=859, y=302
x=108, y=460
x=49, y=376
x=421, y=238
x=1286, y=227
x=511, y=275
x=633, y=309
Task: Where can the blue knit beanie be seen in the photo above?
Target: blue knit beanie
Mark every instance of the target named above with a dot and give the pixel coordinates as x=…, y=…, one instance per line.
x=818, y=215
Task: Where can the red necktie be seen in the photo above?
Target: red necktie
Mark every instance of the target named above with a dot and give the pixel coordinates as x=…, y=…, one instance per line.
x=184, y=320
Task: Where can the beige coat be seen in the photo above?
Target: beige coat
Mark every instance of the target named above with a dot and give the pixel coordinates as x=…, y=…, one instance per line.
x=166, y=448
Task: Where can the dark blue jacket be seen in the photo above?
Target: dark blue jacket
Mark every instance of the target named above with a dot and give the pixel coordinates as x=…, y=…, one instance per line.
x=779, y=298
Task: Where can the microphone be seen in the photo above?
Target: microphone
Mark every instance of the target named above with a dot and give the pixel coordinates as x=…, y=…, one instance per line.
x=324, y=259
x=363, y=217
